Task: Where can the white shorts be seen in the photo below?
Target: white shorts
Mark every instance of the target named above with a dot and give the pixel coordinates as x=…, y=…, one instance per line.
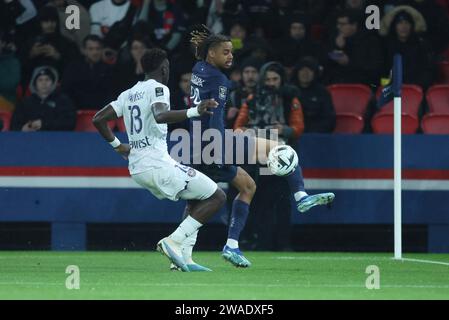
x=174, y=181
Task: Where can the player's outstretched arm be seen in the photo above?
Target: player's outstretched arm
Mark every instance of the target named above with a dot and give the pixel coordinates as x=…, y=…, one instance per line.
x=163, y=114
x=100, y=121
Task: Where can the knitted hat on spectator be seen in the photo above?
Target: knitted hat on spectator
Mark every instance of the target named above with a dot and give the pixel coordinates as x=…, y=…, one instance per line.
x=251, y=62
x=45, y=72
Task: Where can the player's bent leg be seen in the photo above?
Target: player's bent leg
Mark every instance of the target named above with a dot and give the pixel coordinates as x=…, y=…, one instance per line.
x=240, y=209
x=304, y=202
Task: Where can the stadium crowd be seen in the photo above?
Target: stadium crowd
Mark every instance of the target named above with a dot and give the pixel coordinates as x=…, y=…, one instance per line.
x=292, y=59
x=315, y=44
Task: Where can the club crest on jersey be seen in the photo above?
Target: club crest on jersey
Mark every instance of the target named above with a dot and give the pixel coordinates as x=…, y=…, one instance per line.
x=159, y=91
x=191, y=172
x=222, y=92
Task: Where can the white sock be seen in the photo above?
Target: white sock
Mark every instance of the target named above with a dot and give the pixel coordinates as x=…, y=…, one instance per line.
x=233, y=244
x=187, y=247
x=299, y=195
x=185, y=229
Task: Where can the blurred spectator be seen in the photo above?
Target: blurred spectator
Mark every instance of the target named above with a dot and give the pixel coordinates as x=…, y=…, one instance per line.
x=10, y=71
x=194, y=12
x=402, y=28
x=105, y=13
x=49, y=47
x=250, y=78
x=297, y=42
x=222, y=13
x=437, y=21
x=88, y=81
x=76, y=35
x=238, y=32
x=180, y=99
x=262, y=16
x=316, y=102
x=16, y=19
x=355, y=55
x=130, y=72
x=275, y=105
x=166, y=22
x=46, y=109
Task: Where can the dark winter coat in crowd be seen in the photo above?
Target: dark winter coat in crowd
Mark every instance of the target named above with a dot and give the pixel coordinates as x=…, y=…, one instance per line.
x=56, y=111
x=290, y=51
x=365, y=60
x=68, y=51
x=126, y=76
x=317, y=106
x=416, y=60
x=89, y=86
x=417, y=54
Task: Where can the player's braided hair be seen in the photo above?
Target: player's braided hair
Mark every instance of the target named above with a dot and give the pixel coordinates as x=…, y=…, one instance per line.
x=152, y=59
x=203, y=39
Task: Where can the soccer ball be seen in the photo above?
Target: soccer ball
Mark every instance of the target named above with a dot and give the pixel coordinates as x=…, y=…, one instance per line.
x=282, y=160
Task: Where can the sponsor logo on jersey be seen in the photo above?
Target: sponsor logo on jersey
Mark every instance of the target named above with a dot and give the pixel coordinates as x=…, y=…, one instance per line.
x=197, y=80
x=159, y=91
x=222, y=92
x=136, y=96
x=139, y=144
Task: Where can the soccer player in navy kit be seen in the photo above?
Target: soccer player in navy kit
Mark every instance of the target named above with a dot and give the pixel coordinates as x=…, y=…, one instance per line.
x=214, y=53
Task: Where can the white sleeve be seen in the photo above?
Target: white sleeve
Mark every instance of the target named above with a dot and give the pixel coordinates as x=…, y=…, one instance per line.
x=118, y=106
x=95, y=20
x=160, y=94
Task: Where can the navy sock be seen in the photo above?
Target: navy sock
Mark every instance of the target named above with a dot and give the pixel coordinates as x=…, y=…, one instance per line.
x=296, y=180
x=239, y=215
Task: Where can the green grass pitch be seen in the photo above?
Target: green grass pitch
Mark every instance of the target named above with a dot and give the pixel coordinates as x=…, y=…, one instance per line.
x=145, y=275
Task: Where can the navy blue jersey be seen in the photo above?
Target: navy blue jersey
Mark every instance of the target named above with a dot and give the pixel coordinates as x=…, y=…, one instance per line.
x=209, y=82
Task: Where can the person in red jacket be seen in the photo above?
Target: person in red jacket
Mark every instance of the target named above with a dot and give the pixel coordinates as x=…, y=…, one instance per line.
x=274, y=105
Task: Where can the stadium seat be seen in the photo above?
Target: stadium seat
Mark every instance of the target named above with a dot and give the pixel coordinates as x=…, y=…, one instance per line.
x=438, y=99
x=443, y=72
x=350, y=103
x=435, y=123
x=84, y=121
x=382, y=121
x=6, y=119
x=349, y=123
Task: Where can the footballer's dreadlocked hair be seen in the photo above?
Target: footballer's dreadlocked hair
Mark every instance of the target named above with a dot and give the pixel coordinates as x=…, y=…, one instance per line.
x=203, y=39
x=152, y=59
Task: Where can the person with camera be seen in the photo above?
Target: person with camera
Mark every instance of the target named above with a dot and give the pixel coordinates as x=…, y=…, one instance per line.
x=49, y=47
x=274, y=105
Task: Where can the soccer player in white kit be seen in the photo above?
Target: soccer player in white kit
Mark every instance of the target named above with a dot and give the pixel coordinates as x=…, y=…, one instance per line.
x=146, y=111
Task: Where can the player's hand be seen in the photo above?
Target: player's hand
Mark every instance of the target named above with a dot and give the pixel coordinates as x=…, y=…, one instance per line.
x=205, y=105
x=123, y=150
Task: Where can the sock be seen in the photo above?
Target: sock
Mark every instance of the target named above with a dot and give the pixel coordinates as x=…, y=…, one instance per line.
x=233, y=244
x=299, y=195
x=187, y=247
x=185, y=229
x=239, y=215
x=296, y=183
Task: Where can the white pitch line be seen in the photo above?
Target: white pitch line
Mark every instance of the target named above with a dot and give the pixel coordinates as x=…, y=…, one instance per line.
x=425, y=261
x=245, y=285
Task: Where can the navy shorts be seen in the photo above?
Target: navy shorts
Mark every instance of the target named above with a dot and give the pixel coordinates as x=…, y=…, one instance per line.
x=218, y=173
x=228, y=171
